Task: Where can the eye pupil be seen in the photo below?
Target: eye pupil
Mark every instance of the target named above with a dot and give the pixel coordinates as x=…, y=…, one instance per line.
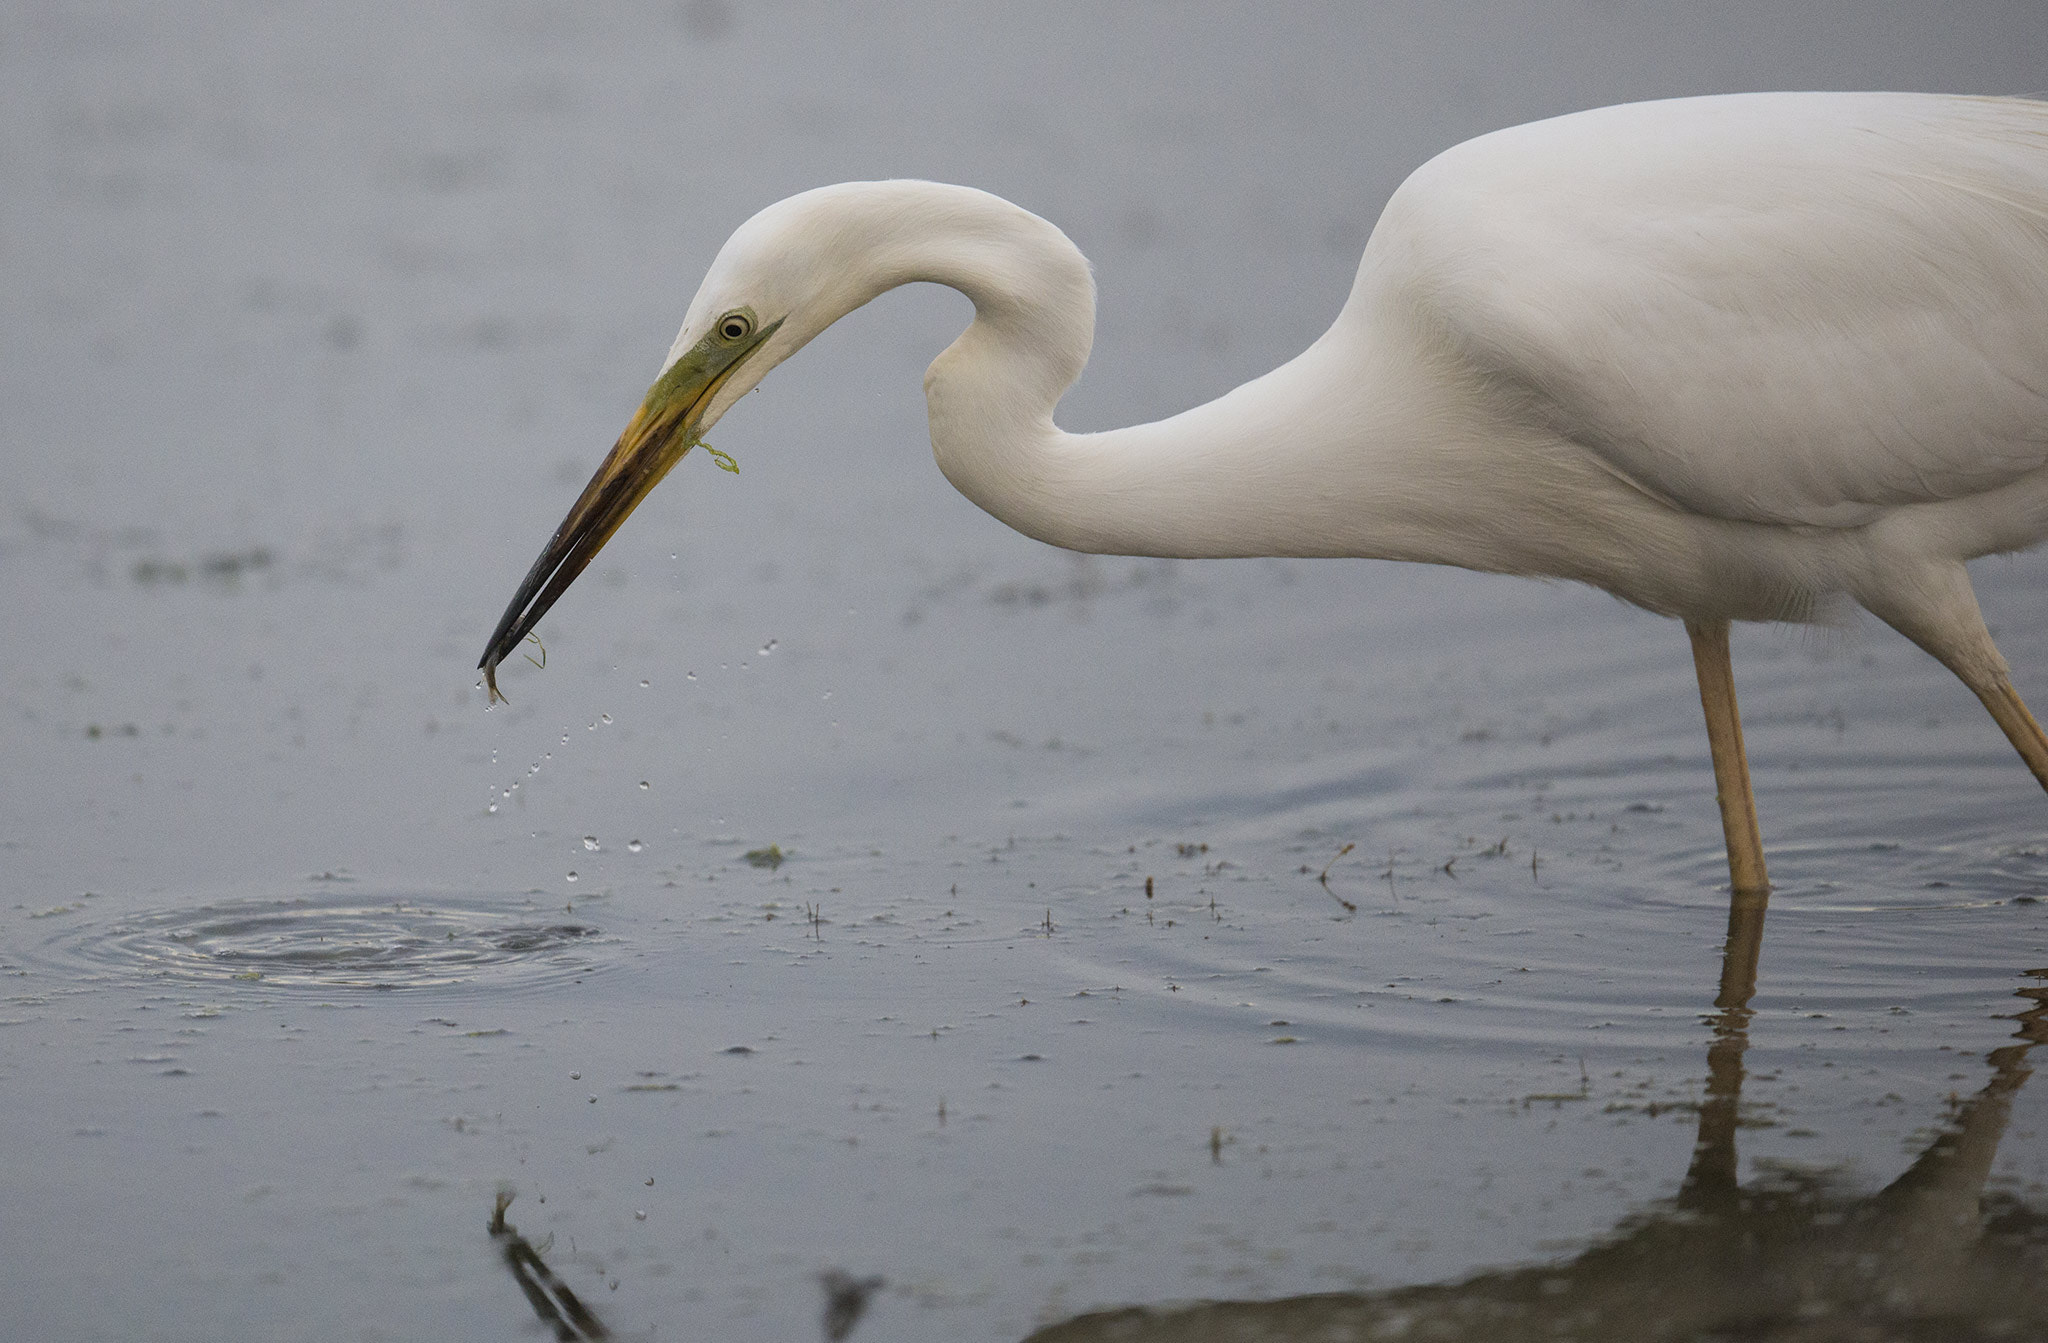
x=732, y=328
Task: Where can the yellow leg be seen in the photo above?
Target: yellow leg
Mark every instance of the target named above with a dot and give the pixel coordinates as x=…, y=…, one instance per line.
x=1939, y=612
x=2019, y=726
x=1731, y=768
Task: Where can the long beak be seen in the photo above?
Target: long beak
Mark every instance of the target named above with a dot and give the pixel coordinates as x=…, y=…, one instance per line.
x=663, y=430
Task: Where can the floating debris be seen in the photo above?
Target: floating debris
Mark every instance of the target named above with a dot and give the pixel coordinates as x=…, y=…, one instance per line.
x=846, y=1300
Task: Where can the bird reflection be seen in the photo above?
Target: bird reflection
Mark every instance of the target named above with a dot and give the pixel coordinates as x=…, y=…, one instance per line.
x=1793, y=1256
x=558, y=1308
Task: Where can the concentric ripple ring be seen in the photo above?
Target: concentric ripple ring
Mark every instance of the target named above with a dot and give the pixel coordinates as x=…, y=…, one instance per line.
x=347, y=942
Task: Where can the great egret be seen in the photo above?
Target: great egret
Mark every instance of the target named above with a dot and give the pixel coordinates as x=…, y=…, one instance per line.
x=1731, y=358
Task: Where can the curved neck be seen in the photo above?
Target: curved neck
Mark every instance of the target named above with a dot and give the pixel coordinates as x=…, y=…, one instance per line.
x=1225, y=478
x=992, y=392
x=1277, y=466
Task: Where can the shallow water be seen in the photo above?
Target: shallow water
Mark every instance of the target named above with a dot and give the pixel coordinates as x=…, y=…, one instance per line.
x=1066, y=995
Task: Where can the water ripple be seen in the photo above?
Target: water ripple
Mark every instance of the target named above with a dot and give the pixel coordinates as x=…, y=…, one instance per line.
x=343, y=942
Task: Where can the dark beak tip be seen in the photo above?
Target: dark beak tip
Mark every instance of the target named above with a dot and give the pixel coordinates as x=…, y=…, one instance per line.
x=635, y=465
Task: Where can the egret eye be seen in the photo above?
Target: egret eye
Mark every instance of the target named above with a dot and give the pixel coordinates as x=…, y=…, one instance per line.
x=735, y=326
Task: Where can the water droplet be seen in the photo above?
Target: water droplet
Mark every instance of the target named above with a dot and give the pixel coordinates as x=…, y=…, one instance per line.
x=590, y=842
x=572, y=876
x=507, y=792
x=494, y=757
x=769, y=647
x=643, y=683
x=492, y=808
x=639, y=1214
x=591, y=728
x=634, y=846
x=643, y=785
x=689, y=676
x=725, y=666
x=827, y=695
x=575, y=1077
x=604, y=718
x=565, y=739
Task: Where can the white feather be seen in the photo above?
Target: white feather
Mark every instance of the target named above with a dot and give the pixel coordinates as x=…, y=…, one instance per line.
x=1727, y=358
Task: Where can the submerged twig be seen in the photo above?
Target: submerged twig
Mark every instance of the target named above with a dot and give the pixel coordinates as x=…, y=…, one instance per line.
x=1324, y=879
x=550, y=1297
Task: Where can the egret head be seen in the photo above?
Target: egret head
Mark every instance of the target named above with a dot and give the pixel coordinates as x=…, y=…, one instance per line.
x=784, y=276
x=737, y=329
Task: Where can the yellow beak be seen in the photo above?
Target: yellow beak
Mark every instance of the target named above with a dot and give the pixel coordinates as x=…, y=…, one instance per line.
x=662, y=431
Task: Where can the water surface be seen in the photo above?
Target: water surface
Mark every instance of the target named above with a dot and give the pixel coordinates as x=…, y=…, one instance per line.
x=1338, y=934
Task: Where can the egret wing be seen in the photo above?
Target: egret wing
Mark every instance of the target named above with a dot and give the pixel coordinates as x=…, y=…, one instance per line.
x=1789, y=309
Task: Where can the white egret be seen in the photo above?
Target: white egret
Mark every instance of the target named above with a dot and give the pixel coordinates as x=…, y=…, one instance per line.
x=1731, y=358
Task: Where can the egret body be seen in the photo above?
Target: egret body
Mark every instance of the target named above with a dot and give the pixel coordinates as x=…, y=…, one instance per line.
x=1734, y=358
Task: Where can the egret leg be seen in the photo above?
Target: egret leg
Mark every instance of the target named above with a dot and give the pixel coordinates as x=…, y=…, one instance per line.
x=1940, y=613
x=2010, y=712
x=1731, y=767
